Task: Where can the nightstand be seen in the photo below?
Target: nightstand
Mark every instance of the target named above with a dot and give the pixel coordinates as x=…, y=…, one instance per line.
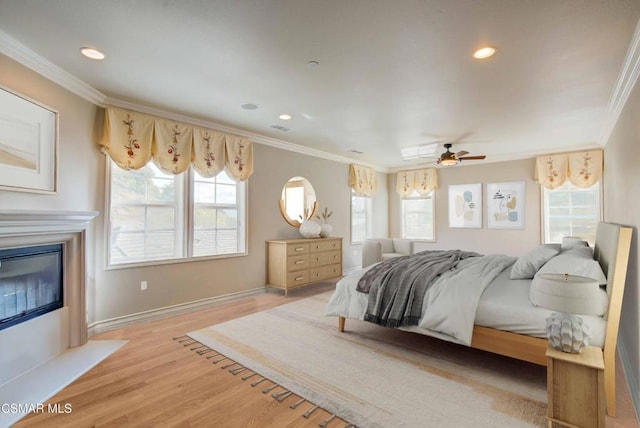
x=575, y=388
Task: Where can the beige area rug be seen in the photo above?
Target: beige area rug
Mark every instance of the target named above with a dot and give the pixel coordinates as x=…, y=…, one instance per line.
x=372, y=376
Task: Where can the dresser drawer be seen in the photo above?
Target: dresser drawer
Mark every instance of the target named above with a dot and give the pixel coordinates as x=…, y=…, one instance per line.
x=325, y=258
x=298, y=278
x=325, y=272
x=332, y=244
x=295, y=263
x=289, y=262
x=293, y=249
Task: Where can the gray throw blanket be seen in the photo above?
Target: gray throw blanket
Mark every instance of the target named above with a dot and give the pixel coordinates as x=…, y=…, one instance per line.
x=397, y=286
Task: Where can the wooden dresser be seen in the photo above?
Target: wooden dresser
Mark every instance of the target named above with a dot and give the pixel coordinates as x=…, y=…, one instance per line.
x=293, y=263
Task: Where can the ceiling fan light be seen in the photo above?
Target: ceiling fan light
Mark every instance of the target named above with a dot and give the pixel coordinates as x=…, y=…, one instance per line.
x=448, y=162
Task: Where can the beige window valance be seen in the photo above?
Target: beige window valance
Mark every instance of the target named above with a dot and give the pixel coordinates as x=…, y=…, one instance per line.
x=362, y=180
x=583, y=169
x=131, y=139
x=422, y=181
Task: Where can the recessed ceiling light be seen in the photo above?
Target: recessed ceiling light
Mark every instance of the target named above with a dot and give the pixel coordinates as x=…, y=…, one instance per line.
x=484, y=52
x=249, y=106
x=92, y=53
x=313, y=64
x=285, y=116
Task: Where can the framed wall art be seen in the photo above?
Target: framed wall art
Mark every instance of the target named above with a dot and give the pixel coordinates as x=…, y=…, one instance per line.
x=505, y=205
x=465, y=205
x=28, y=144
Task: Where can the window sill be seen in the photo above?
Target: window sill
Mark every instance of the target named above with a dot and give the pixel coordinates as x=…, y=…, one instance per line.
x=172, y=261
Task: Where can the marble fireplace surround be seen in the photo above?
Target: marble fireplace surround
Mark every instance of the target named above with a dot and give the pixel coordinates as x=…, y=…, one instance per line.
x=35, y=341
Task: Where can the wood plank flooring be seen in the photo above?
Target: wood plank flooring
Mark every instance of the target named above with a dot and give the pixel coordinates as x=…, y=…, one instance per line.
x=153, y=381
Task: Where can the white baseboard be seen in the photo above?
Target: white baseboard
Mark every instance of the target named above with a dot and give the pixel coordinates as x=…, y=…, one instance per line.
x=630, y=374
x=167, y=311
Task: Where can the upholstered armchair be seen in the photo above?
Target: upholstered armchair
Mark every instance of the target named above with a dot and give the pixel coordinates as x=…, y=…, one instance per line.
x=377, y=250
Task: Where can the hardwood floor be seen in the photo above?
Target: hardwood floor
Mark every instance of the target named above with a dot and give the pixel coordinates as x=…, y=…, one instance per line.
x=155, y=381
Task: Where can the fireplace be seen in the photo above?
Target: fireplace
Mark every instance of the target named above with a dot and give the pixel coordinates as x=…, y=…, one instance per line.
x=59, y=238
x=30, y=283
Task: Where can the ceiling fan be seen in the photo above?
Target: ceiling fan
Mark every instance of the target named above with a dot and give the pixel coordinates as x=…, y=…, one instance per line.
x=449, y=158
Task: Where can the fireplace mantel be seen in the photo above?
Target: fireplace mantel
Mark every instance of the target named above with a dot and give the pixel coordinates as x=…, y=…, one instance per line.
x=31, y=222
x=24, y=228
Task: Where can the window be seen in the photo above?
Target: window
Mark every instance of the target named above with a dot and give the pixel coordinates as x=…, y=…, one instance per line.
x=361, y=213
x=417, y=217
x=217, y=215
x=571, y=211
x=152, y=219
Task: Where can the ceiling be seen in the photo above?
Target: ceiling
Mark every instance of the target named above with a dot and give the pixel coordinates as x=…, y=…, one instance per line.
x=391, y=73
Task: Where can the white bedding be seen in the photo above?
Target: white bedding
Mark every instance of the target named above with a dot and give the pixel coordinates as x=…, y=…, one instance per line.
x=504, y=305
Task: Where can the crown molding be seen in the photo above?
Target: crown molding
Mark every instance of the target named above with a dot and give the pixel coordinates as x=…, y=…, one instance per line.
x=256, y=138
x=25, y=56
x=624, y=85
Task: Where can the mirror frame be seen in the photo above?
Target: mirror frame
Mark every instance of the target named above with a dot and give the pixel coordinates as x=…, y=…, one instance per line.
x=283, y=211
x=296, y=223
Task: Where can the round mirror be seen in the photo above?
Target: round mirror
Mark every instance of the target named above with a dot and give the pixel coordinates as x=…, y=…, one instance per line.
x=298, y=201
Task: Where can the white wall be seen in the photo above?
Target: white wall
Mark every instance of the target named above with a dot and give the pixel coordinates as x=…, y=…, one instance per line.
x=622, y=205
x=485, y=241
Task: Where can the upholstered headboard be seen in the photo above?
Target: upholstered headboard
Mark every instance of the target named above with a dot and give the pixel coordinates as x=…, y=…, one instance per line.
x=613, y=243
x=612, y=246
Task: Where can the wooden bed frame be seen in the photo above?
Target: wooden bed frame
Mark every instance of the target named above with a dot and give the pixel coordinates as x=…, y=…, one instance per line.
x=612, y=247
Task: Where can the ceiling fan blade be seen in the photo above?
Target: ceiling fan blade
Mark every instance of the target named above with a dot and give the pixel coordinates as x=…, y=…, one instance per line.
x=461, y=153
x=473, y=157
x=462, y=136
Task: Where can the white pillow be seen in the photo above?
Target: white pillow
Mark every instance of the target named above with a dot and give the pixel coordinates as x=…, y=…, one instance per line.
x=527, y=265
x=569, y=242
x=576, y=261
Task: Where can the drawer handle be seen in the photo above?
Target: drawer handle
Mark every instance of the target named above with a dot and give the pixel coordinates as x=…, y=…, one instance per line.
x=300, y=249
x=299, y=262
x=300, y=278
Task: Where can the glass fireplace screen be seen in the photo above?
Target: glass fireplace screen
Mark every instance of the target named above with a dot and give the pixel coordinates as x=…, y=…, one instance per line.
x=30, y=283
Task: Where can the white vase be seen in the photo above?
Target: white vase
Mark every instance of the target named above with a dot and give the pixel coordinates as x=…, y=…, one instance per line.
x=325, y=230
x=567, y=332
x=309, y=229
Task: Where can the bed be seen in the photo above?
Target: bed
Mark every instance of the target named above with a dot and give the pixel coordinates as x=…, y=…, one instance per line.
x=506, y=322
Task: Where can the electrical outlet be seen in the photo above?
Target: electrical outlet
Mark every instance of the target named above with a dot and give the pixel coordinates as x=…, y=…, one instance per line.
x=143, y=285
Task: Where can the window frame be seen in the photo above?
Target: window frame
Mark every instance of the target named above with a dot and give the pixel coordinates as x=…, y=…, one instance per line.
x=431, y=195
x=184, y=224
x=368, y=217
x=544, y=209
